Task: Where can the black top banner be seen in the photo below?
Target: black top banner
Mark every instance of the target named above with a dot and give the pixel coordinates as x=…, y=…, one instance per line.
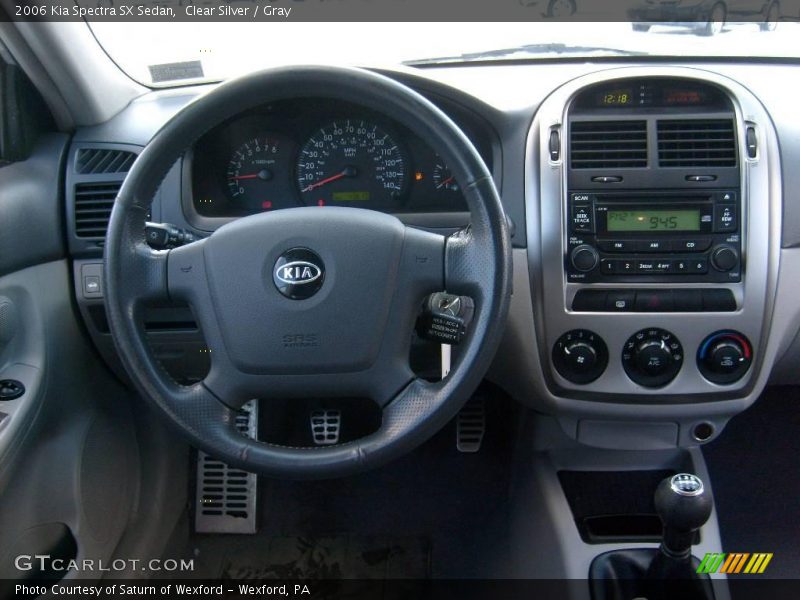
x=653, y=11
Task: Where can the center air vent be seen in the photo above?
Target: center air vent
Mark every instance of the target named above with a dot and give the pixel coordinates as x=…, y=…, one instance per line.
x=608, y=144
x=93, y=204
x=697, y=143
x=93, y=161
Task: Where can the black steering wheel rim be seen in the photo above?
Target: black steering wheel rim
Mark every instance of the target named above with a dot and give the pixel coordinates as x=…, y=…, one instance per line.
x=474, y=262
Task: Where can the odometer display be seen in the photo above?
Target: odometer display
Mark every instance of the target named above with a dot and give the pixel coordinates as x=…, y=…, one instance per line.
x=351, y=162
x=653, y=220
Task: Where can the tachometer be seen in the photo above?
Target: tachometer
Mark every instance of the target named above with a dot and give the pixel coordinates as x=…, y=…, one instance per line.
x=352, y=162
x=253, y=176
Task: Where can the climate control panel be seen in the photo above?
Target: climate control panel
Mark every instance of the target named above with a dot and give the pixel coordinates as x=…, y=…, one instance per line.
x=652, y=357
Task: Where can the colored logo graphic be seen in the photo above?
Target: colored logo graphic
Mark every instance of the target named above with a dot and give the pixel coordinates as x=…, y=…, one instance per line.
x=734, y=562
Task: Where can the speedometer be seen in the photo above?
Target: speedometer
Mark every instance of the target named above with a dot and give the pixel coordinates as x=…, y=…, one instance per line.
x=352, y=162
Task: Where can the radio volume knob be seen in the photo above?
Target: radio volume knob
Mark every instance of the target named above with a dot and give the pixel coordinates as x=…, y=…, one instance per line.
x=584, y=258
x=724, y=258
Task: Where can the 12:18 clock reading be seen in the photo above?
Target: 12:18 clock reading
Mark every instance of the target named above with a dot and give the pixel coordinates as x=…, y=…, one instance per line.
x=653, y=220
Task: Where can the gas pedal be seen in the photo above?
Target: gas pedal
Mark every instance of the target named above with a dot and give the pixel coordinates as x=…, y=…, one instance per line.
x=471, y=426
x=226, y=497
x=325, y=427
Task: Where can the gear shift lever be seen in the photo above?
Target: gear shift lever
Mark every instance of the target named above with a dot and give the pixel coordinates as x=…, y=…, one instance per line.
x=684, y=506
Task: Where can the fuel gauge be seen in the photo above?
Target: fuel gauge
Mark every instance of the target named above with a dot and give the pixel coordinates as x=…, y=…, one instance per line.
x=443, y=179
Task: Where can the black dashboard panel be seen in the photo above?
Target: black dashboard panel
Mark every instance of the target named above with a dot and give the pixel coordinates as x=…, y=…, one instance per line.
x=313, y=152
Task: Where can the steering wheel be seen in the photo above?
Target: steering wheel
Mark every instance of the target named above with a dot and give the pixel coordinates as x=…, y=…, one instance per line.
x=310, y=302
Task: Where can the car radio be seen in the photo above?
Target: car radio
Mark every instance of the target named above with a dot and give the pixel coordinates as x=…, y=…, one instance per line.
x=647, y=237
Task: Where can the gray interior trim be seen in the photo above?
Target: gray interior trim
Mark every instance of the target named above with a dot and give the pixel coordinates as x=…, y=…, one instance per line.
x=76, y=63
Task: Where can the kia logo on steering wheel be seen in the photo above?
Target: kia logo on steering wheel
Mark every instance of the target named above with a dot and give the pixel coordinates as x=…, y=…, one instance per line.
x=298, y=273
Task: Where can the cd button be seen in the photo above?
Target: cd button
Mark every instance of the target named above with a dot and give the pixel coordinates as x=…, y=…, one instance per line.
x=691, y=245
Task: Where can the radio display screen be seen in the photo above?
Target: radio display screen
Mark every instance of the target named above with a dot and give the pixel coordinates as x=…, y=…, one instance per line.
x=653, y=220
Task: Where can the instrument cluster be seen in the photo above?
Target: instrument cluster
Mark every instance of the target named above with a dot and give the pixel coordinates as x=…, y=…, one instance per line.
x=320, y=153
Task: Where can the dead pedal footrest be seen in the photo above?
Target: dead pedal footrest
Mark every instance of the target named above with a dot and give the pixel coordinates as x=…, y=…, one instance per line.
x=226, y=497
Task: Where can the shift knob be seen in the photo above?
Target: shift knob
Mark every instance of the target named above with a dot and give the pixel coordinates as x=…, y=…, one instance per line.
x=684, y=505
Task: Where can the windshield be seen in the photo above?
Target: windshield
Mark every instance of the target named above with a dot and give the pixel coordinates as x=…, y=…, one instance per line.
x=164, y=54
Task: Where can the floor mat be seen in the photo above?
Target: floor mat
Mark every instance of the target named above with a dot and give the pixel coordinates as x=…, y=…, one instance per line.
x=340, y=557
x=756, y=479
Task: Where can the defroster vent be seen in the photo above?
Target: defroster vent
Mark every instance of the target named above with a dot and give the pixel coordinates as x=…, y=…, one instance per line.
x=93, y=161
x=697, y=143
x=608, y=144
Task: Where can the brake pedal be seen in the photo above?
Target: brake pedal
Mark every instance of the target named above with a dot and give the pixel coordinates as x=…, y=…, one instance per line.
x=471, y=426
x=226, y=497
x=325, y=427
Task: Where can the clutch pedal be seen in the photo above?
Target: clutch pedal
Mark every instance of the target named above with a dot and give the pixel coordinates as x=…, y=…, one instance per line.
x=226, y=497
x=471, y=426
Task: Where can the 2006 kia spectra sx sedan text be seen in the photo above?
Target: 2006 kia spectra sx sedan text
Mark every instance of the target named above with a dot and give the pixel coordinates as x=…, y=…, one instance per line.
x=339, y=309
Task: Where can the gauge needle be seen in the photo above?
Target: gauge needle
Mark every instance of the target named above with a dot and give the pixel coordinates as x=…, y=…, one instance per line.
x=346, y=172
x=444, y=183
x=263, y=174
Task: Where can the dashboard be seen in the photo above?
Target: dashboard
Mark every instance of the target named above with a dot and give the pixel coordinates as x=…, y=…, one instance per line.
x=656, y=236
x=312, y=152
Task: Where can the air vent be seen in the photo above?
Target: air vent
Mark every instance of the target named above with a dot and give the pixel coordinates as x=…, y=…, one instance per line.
x=608, y=144
x=697, y=143
x=93, y=204
x=94, y=161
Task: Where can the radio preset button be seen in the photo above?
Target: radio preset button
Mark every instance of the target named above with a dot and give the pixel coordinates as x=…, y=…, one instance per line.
x=698, y=266
x=646, y=266
x=582, y=218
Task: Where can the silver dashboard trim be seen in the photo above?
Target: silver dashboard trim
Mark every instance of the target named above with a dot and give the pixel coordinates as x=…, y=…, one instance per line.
x=545, y=190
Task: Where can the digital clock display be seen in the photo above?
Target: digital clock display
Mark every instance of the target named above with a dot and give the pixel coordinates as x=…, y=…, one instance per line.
x=622, y=97
x=653, y=220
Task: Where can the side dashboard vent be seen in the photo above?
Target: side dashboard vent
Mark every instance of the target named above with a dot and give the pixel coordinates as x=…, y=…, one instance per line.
x=697, y=143
x=93, y=204
x=608, y=144
x=95, y=161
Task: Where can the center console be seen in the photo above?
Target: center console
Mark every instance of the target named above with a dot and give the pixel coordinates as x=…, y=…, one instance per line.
x=652, y=242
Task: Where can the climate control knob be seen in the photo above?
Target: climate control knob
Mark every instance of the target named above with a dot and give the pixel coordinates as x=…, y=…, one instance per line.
x=580, y=356
x=652, y=357
x=724, y=357
x=584, y=258
x=724, y=258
